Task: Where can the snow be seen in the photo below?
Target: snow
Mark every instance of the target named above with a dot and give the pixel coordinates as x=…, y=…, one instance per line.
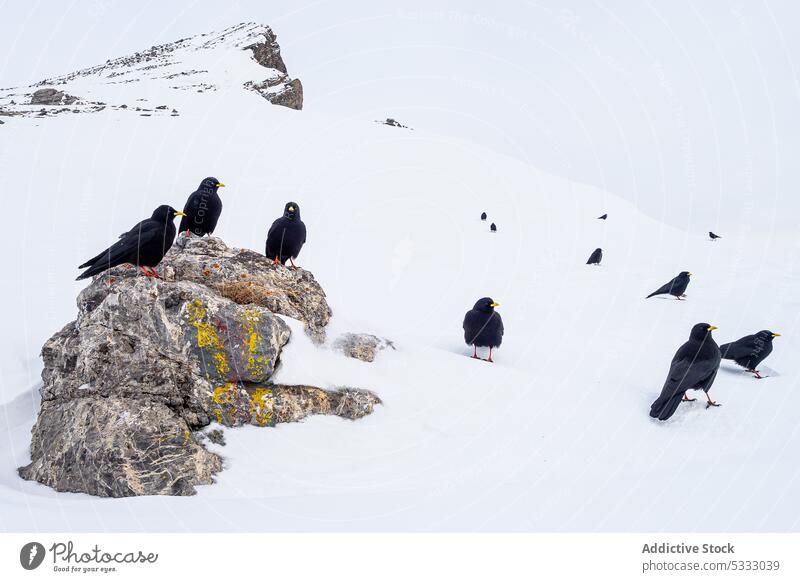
x=554, y=436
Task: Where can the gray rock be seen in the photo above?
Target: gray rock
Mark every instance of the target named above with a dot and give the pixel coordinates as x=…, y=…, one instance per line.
x=280, y=91
x=149, y=362
x=51, y=96
x=268, y=52
x=361, y=346
x=116, y=447
x=248, y=277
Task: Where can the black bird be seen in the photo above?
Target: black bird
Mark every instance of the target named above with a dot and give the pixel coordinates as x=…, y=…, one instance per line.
x=602, y=217
x=750, y=350
x=493, y=227
x=676, y=287
x=143, y=246
x=483, y=326
x=483, y=216
x=202, y=209
x=694, y=367
x=286, y=236
x=595, y=257
x=713, y=236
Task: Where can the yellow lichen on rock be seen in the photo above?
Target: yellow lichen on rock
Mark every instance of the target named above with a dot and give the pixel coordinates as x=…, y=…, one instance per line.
x=260, y=406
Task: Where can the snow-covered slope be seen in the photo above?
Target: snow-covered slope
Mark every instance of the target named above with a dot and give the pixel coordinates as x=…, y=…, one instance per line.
x=554, y=436
x=164, y=79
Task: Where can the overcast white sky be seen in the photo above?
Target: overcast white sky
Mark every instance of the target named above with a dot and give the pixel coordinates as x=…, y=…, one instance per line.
x=680, y=106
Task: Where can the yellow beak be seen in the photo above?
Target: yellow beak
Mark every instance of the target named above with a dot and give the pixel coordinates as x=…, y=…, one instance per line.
x=220, y=185
x=494, y=305
x=712, y=327
x=291, y=209
x=180, y=214
x=776, y=335
x=690, y=274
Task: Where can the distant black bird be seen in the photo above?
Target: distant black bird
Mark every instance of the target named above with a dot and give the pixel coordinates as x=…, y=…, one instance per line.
x=202, y=209
x=483, y=326
x=676, y=287
x=595, y=257
x=143, y=246
x=694, y=367
x=713, y=236
x=602, y=217
x=483, y=216
x=286, y=236
x=493, y=227
x=750, y=350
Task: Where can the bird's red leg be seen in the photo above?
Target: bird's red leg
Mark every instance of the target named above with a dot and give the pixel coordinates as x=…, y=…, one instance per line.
x=143, y=270
x=475, y=352
x=277, y=261
x=710, y=402
x=754, y=371
x=292, y=262
x=490, y=355
x=685, y=399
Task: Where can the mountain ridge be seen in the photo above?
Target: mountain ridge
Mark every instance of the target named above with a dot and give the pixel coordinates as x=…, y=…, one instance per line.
x=191, y=64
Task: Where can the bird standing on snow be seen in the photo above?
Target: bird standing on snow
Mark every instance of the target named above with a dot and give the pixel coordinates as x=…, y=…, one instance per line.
x=202, y=209
x=483, y=216
x=493, y=227
x=750, y=350
x=676, y=287
x=694, y=367
x=286, y=236
x=143, y=246
x=713, y=236
x=602, y=217
x=595, y=257
x=483, y=326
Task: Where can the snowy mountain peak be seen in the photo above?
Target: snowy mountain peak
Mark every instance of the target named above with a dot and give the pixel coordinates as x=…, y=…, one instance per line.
x=163, y=76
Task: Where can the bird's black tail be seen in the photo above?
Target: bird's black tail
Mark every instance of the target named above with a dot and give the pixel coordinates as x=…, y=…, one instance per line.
x=723, y=350
x=665, y=406
x=652, y=294
x=93, y=260
x=98, y=267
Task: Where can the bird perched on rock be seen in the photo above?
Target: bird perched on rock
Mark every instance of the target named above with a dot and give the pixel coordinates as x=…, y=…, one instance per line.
x=602, y=217
x=750, y=350
x=493, y=227
x=483, y=326
x=713, y=236
x=595, y=257
x=286, y=236
x=694, y=367
x=143, y=246
x=483, y=216
x=676, y=287
x=202, y=209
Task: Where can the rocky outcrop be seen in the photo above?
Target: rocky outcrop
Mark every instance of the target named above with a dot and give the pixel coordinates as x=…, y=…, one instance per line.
x=267, y=51
x=361, y=346
x=51, y=96
x=149, y=362
x=248, y=277
x=281, y=89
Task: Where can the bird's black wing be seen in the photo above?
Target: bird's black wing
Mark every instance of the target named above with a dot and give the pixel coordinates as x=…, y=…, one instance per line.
x=686, y=371
x=213, y=218
x=125, y=250
x=665, y=288
x=104, y=254
x=741, y=348
x=303, y=225
x=191, y=206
